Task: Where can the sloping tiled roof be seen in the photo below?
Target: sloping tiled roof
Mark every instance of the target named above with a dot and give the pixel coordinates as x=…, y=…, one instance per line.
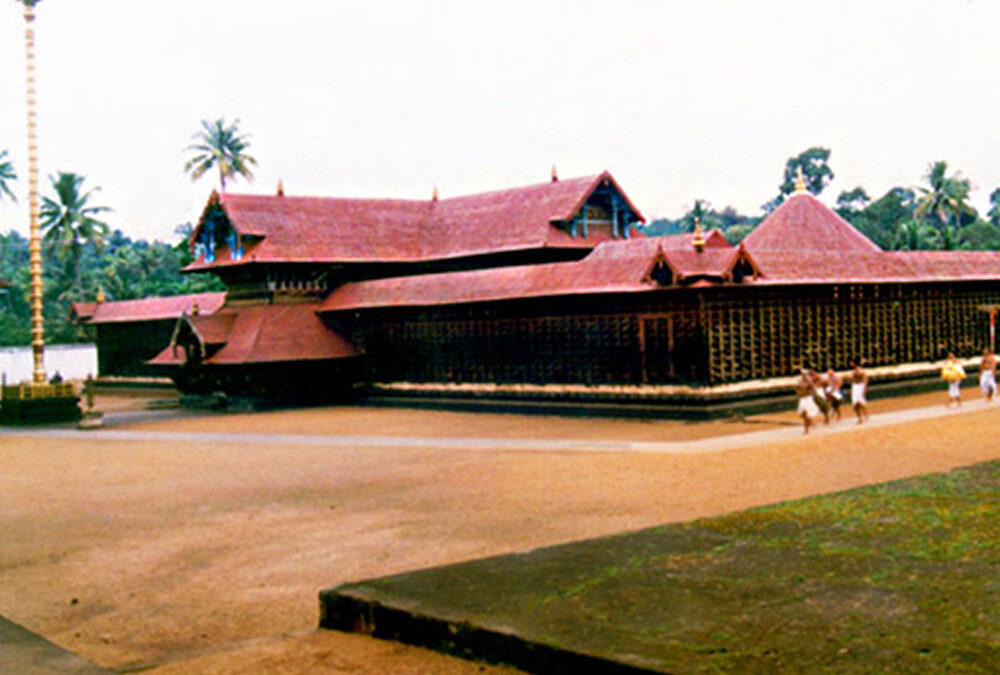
x=151, y=309
x=803, y=223
x=613, y=267
x=283, y=228
x=213, y=329
x=81, y=312
x=713, y=239
x=262, y=334
x=268, y=333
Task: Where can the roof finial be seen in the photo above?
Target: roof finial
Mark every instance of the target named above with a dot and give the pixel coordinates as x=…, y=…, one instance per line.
x=698, y=240
x=100, y=294
x=194, y=308
x=800, y=181
x=434, y=194
x=555, y=174
x=281, y=188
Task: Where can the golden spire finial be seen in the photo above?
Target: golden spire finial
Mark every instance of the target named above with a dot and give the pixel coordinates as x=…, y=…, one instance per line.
x=281, y=188
x=555, y=174
x=434, y=194
x=100, y=294
x=800, y=181
x=698, y=240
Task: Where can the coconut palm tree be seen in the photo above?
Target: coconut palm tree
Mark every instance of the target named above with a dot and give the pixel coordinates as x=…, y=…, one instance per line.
x=220, y=146
x=944, y=201
x=69, y=222
x=7, y=174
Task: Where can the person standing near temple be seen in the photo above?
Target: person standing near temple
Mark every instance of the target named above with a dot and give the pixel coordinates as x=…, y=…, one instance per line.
x=834, y=395
x=805, y=391
x=987, y=376
x=953, y=373
x=859, y=391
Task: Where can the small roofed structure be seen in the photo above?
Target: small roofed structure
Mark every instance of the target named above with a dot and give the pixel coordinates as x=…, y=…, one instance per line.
x=130, y=332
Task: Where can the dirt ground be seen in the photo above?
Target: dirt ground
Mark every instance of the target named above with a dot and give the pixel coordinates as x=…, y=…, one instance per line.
x=207, y=557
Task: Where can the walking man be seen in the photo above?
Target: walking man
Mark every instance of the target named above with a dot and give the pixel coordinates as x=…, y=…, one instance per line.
x=859, y=391
x=834, y=395
x=987, y=376
x=805, y=391
x=953, y=373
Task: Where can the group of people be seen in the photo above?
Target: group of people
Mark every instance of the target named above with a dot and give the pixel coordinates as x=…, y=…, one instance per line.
x=824, y=395
x=953, y=373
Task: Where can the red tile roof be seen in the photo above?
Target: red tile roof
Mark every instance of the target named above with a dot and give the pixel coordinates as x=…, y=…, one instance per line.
x=82, y=312
x=803, y=223
x=713, y=239
x=212, y=329
x=621, y=266
x=151, y=309
x=262, y=334
x=268, y=333
x=282, y=228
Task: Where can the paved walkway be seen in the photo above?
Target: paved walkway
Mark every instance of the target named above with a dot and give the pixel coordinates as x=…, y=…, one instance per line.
x=713, y=444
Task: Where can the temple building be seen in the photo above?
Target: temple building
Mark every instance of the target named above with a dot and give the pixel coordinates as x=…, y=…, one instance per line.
x=544, y=291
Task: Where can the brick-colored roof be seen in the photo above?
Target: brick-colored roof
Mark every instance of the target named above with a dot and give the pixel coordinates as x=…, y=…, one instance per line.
x=269, y=333
x=82, y=312
x=713, y=239
x=803, y=223
x=311, y=229
x=151, y=309
x=621, y=266
x=262, y=334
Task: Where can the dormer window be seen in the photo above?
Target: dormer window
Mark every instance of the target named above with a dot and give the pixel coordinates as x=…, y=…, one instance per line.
x=743, y=269
x=661, y=273
x=216, y=231
x=605, y=212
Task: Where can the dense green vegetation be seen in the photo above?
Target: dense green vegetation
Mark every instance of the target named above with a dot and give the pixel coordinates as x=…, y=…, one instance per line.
x=125, y=269
x=934, y=216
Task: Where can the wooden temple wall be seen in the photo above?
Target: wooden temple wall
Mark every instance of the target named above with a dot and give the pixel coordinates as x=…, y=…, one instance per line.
x=777, y=334
x=709, y=336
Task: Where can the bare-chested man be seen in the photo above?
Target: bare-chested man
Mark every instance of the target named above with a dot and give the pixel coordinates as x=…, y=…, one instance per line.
x=834, y=395
x=859, y=391
x=805, y=391
x=987, y=376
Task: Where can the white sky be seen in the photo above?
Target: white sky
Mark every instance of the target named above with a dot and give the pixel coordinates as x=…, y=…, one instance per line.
x=679, y=99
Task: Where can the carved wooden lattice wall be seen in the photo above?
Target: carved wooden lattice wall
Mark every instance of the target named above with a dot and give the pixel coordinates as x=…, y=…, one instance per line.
x=709, y=337
x=881, y=325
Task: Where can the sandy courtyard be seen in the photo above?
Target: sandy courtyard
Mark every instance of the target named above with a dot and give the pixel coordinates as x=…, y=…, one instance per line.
x=207, y=557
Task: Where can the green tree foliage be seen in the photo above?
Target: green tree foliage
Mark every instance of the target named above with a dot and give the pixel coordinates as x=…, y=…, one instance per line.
x=994, y=212
x=852, y=202
x=69, y=222
x=7, y=176
x=733, y=225
x=220, y=146
x=816, y=170
x=944, y=203
x=126, y=270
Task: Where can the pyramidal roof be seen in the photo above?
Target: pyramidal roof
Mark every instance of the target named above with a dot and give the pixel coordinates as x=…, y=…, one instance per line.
x=803, y=223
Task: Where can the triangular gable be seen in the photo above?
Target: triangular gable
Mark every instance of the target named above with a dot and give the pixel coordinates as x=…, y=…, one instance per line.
x=660, y=271
x=803, y=223
x=605, y=196
x=217, y=234
x=743, y=266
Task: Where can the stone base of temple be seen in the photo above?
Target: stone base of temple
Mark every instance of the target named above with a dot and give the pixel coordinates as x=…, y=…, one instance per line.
x=27, y=404
x=694, y=402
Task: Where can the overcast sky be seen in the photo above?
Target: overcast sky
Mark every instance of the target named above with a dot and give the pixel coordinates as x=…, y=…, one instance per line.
x=678, y=99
